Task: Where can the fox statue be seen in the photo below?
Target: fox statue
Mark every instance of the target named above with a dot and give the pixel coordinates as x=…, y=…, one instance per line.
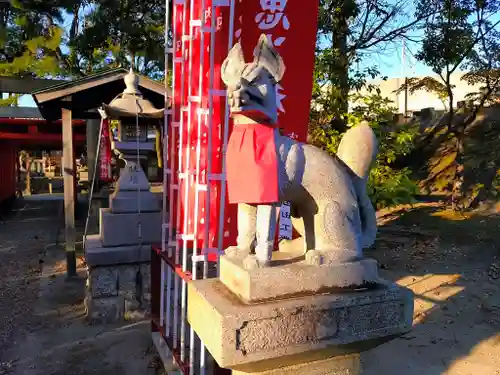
x=329, y=201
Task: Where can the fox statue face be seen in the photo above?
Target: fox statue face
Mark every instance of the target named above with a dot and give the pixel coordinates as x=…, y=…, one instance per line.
x=251, y=87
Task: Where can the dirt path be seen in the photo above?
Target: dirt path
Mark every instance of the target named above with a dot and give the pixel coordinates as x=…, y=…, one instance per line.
x=453, y=266
x=41, y=314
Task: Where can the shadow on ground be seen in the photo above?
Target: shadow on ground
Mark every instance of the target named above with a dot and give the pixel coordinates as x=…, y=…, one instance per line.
x=452, y=263
x=46, y=331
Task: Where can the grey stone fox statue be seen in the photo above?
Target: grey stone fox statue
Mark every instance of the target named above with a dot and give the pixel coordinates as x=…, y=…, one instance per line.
x=330, y=205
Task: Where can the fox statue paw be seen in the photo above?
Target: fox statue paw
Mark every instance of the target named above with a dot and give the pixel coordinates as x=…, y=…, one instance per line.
x=251, y=262
x=314, y=258
x=236, y=252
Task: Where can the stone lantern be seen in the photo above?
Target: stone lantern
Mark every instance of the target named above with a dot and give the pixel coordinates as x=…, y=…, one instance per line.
x=135, y=114
x=118, y=258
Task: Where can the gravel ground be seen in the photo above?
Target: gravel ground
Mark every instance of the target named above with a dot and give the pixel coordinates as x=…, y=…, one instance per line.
x=452, y=264
x=453, y=267
x=42, y=325
x=23, y=236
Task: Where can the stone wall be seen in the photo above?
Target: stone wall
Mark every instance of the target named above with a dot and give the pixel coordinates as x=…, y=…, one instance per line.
x=119, y=292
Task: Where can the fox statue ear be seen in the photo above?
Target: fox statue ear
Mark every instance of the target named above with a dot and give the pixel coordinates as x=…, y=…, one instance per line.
x=265, y=55
x=233, y=65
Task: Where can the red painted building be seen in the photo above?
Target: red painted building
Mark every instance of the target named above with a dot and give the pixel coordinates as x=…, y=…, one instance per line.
x=18, y=134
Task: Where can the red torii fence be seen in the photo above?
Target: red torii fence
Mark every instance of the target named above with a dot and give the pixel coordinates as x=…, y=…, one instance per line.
x=198, y=222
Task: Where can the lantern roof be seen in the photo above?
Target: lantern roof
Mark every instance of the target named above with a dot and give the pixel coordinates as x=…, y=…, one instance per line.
x=131, y=103
x=88, y=93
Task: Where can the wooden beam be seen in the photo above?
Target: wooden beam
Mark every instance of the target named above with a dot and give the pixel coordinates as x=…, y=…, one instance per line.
x=20, y=112
x=18, y=85
x=39, y=137
x=69, y=175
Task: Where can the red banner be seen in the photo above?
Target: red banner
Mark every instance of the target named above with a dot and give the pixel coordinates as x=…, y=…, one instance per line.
x=291, y=26
x=197, y=135
x=105, y=153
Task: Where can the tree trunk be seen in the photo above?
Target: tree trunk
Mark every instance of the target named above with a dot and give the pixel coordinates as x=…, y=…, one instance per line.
x=458, y=181
x=451, y=111
x=339, y=70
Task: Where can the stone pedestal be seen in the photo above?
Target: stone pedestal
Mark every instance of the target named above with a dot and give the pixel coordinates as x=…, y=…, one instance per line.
x=118, y=258
x=291, y=275
x=263, y=321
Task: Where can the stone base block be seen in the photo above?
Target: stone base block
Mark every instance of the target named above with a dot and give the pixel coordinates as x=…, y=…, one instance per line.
x=290, y=275
x=118, y=293
x=295, y=330
x=128, y=202
x=122, y=229
x=98, y=255
x=342, y=365
x=104, y=310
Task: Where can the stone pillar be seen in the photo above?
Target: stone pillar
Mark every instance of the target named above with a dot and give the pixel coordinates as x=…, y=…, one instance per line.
x=93, y=127
x=289, y=318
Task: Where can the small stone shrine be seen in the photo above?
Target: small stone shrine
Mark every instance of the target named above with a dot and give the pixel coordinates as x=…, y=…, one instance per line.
x=118, y=258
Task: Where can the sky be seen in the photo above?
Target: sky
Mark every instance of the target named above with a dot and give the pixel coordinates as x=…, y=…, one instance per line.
x=389, y=62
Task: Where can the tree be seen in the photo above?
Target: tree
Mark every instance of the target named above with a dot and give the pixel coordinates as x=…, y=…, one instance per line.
x=429, y=84
x=460, y=34
x=387, y=184
x=135, y=37
x=28, y=45
x=347, y=31
x=102, y=34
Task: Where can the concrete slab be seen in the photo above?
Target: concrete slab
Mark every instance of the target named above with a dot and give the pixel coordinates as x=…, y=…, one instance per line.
x=290, y=275
x=343, y=365
x=122, y=229
x=98, y=255
x=295, y=330
x=128, y=202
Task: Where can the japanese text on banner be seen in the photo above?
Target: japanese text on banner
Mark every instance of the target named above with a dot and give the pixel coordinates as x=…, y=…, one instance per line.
x=273, y=14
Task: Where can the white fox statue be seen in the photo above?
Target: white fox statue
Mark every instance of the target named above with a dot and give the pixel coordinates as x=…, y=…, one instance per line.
x=330, y=205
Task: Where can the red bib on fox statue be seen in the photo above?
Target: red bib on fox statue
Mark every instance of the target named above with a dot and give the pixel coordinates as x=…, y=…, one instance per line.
x=252, y=164
x=251, y=156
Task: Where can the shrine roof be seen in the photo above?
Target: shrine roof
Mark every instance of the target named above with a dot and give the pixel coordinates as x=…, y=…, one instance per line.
x=88, y=93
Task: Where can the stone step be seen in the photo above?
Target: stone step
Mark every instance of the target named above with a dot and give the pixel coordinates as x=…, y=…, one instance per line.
x=122, y=229
x=98, y=255
x=128, y=202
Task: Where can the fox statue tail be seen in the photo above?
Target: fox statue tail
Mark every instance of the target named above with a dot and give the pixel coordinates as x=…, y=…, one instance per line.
x=358, y=149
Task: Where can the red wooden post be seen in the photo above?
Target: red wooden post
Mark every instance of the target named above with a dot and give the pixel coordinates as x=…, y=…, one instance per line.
x=200, y=222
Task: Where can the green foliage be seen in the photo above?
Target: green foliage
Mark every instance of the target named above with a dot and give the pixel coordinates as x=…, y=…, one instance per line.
x=38, y=57
x=496, y=184
x=450, y=23
x=387, y=185
x=11, y=101
x=348, y=32
x=36, y=39
x=460, y=34
x=30, y=39
x=119, y=32
x=429, y=84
